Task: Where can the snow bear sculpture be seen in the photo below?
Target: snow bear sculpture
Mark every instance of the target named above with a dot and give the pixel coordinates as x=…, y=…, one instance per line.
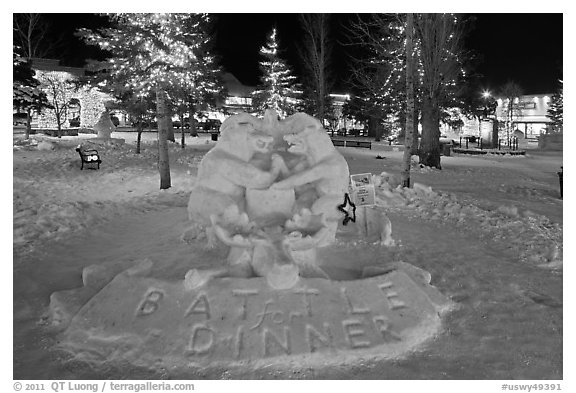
x=320, y=179
x=272, y=215
x=226, y=171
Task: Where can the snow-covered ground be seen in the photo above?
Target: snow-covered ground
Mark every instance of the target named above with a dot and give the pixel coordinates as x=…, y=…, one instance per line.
x=488, y=229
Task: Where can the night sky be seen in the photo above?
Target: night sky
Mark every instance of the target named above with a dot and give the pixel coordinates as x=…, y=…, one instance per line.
x=524, y=48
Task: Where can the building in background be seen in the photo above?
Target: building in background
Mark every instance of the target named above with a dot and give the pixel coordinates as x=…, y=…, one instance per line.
x=239, y=97
x=529, y=114
x=527, y=121
x=82, y=107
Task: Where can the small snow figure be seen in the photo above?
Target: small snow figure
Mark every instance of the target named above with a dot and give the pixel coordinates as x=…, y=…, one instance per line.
x=104, y=126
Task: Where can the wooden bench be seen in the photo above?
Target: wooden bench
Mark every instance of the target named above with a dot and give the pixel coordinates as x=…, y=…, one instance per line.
x=366, y=144
x=89, y=157
x=341, y=142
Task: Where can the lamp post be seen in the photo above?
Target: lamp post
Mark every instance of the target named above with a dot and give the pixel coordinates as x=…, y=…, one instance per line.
x=485, y=95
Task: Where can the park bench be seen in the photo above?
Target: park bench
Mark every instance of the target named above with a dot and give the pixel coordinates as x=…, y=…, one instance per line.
x=366, y=144
x=340, y=142
x=89, y=157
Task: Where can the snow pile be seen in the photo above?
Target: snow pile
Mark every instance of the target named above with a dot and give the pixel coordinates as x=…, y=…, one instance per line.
x=25, y=144
x=531, y=236
x=53, y=199
x=53, y=221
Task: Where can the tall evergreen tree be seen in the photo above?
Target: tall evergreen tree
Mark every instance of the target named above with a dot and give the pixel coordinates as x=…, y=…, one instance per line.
x=149, y=52
x=440, y=55
x=379, y=74
x=26, y=94
x=556, y=110
x=278, y=89
x=206, y=90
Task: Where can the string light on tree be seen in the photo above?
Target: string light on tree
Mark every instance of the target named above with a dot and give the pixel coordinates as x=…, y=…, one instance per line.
x=278, y=89
x=149, y=53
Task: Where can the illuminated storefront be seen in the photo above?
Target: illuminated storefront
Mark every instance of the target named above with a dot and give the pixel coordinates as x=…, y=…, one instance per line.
x=528, y=114
x=83, y=105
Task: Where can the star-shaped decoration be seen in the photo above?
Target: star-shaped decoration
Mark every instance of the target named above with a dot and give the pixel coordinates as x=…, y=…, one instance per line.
x=352, y=206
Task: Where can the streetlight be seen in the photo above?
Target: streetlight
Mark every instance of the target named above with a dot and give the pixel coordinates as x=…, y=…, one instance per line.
x=485, y=95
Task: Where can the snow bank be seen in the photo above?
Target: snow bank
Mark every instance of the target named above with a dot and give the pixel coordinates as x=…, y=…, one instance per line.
x=534, y=238
x=53, y=199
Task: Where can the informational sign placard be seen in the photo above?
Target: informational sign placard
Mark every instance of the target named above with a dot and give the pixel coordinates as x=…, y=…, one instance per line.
x=363, y=191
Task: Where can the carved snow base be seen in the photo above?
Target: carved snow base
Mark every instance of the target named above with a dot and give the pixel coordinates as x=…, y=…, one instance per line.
x=152, y=323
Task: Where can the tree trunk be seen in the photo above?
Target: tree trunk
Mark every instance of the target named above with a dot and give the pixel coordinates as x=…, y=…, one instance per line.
x=375, y=128
x=510, y=118
x=170, y=135
x=430, y=145
x=495, y=133
x=193, y=124
x=182, y=137
x=163, y=158
x=409, y=137
x=139, y=129
x=321, y=66
x=321, y=94
x=193, y=127
x=379, y=131
x=415, y=133
x=58, y=125
x=28, y=124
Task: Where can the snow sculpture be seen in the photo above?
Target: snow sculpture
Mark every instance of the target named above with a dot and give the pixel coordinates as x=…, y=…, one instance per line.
x=321, y=178
x=269, y=190
x=104, y=127
x=231, y=167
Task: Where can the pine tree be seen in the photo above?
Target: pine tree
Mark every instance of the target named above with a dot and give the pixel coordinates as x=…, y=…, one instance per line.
x=26, y=94
x=149, y=52
x=206, y=90
x=440, y=39
x=556, y=111
x=278, y=89
x=380, y=75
